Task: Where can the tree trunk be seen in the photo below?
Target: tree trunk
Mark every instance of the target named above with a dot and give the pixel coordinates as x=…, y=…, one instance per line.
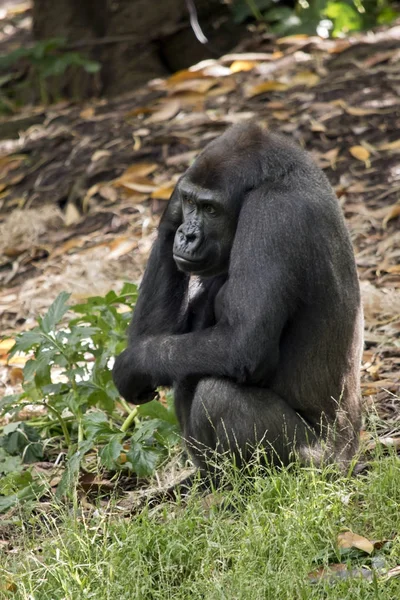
x=136, y=40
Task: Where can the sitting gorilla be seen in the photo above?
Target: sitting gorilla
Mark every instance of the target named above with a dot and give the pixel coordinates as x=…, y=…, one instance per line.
x=250, y=307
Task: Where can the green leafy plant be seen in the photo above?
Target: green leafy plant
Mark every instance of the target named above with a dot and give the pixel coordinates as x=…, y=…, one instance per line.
x=337, y=17
x=44, y=66
x=68, y=374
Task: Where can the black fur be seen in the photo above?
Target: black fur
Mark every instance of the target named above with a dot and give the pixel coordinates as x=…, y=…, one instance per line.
x=267, y=346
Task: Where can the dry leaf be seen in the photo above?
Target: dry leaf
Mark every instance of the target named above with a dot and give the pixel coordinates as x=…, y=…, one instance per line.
x=360, y=153
x=307, y=78
x=121, y=246
x=390, y=145
x=164, y=191
x=394, y=212
x=348, y=539
x=395, y=572
x=169, y=108
x=5, y=346
x=137, y=170
x=87, y=113
x=201, y=86
x=242, y=65
x=194, y=100
x=99, y=154
x=16, y=375
x=72, y=214
x=138, y=184
x=183, y=75
x=264, y=87
x=293, y=39
x=226, y=87
x=281, y=115
x=108, y=193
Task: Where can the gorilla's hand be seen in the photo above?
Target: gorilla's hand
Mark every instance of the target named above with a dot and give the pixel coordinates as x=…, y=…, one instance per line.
x=173, y=215
x=136, y=388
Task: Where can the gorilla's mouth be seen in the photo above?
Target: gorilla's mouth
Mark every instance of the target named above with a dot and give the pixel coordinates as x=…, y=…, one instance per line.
x=188, y=265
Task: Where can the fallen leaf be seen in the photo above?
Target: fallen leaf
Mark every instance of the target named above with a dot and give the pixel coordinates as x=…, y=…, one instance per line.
x=360, y=153
x=348, y=539
x=10, y=163
x=264, y=87
x=281, y=115
x=99, y=154
x=242, y=65
x=87, y=113
x=164, y=191
x=201, y=86
x=194, y=100
x=5, y=346
x=140, y=110
x=169, y=108
x=395, y=572
x=138, y=184
x=307, y=78
x=108, y=193
x=16, y=375
x=394, y=212
x=137, y=170
x=395, y=145
x=72, y=214
x=121, y=246
x=227, y=86
x=183, y=75
x=290, y=39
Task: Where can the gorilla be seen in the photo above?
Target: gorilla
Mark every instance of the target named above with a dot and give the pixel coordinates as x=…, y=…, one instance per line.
x=250, y=307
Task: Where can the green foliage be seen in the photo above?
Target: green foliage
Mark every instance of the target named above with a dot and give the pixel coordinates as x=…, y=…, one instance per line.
x=316, y=16
x=263, y=538
x=43, y=65
x=69, y=375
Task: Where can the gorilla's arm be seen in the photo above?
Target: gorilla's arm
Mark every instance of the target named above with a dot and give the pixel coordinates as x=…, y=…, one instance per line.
x=160, y=309
x=163, y=292
x=244, y=344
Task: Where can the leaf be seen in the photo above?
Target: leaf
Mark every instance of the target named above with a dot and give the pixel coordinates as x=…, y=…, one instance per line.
x=307, y=78
x=169, y=108
x=121, y=246
x=360, y=153
x=55, y=312
x=143, y=459
x=395, y=145
x=264, y=87
x=32, y=492
x=164, y=192
x=139, y=184
x=72, y=214
x=156, y=410
x=200, y=86
x=87, y=113
x=109, y=455
x=70, y=476
x=26, y=340
x=395, y=572
x=394, y=212
x=6, y=345
x=348, y=539
x=242, y=65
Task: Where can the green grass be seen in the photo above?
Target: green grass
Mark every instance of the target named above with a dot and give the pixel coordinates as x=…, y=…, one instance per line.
x=260, y=545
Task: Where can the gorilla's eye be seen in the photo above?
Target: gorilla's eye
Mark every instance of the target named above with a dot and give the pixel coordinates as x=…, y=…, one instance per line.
x=209, y=209
x=189, y=201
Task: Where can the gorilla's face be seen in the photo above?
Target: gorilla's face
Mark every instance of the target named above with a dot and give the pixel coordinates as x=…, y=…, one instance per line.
x=203, y=242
